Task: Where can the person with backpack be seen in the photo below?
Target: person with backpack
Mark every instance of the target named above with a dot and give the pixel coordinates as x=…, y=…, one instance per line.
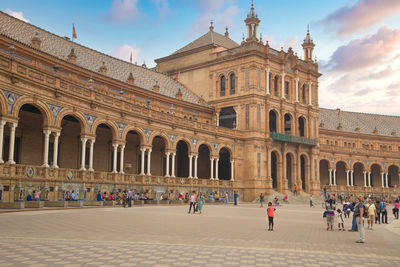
x=383, y=205
x=371, y=213
x=359, y=214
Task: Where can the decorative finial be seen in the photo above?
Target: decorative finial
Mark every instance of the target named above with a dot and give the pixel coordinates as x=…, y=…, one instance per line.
x=211, y=25
x=308, y=28
x=252, y=3
x=226, y=32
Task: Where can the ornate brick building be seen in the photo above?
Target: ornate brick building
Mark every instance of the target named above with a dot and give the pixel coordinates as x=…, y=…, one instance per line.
x=242, y=117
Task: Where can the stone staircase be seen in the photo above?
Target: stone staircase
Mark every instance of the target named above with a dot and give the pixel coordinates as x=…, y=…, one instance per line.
x=304, y=198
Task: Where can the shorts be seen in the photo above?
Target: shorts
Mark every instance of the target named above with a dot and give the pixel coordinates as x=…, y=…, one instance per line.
x=270, y=219
x=371, y=217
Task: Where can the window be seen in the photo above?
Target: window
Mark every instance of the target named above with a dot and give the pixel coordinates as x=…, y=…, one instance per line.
x=301, y=126
x=303, y=94
x=287, y=90
x=232, y=79
x=222, y=86
x=276, y=86
x=247, y=116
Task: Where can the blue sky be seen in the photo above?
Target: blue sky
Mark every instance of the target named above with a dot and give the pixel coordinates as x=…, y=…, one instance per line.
x=357, y=41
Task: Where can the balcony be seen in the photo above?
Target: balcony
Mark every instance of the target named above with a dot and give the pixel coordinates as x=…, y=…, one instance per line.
x=287, y=138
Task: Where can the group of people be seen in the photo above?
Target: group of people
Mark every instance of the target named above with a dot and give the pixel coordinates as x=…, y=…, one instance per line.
x=36, y=195
x=124, y=198
x=370, y=209
x=196, y=202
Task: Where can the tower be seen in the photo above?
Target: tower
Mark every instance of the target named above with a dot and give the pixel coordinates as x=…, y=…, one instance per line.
x=252, y=22
x=308, y=46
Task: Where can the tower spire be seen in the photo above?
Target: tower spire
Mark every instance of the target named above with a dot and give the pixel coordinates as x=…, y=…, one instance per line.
x=308, y=45
x=252, y=22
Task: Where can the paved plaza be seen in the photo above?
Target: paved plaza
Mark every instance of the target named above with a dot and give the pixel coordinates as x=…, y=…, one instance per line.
x=168, y=236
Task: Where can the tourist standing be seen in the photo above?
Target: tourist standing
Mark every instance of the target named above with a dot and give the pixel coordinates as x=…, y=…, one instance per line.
x=340, y=220
x=311, y=203
x=295, y=190
x=330, y=207
x=378, y=212
x=235, y=198
x=270, y=214
x=371, y=213
x=130, y=195
x=200, y=202
x=261, y=200
x=359, y=213
x=192, y=202
x=383, y=205
x=226, y=197
x=99, y=198
x=72, y=198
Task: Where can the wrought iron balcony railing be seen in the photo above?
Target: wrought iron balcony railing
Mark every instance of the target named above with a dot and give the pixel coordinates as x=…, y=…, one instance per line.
x=293, y=139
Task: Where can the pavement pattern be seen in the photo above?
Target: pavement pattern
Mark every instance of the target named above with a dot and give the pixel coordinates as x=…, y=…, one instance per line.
x=169, y=236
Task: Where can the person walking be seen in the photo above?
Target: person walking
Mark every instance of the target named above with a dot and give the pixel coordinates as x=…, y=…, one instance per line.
x=235, y=198
x=261, y=200
x=192, y=202
x=200, y=202
x=340, y=220
x=378, y=212
x=396, y=209
x=311, y=203
x=330, y=207
x=359, y=213
x=270, y=214
x=371, y=213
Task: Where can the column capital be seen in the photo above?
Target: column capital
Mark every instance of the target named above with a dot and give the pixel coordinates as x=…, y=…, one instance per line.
x=2, y=123
x=115, y=146
x=47, y=132
x=123, y=146
x=268, y=69
x=84, y=139
x=297, y=79
x=56, y=134
x=232, y=161
x=13, y=124
x=149, y=150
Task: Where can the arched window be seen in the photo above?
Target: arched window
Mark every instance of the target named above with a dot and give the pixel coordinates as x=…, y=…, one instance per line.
x=232, y=79
x=276, y=86
x=287, y=89
x=303, y=93
x=272, y=121
x=301, y=126
x=222, y=87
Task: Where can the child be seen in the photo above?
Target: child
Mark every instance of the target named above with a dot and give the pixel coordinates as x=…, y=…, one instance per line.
x=340, y=219
x=270, y=213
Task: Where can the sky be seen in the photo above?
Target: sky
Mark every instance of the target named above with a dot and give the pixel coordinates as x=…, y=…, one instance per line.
x=357, y=41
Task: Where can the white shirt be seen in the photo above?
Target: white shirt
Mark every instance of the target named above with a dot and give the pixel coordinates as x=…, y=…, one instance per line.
x=192, y=198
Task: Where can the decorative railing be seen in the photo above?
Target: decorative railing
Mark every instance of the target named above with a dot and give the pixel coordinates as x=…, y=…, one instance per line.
x=287, y=138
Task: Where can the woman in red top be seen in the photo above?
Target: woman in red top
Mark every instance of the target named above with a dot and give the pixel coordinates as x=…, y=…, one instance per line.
x=270, y=213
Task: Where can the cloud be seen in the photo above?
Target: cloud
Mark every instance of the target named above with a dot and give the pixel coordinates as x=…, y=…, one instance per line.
x=124, y=53
x=123, y=11
x=292, y=42
x=365, y=52
x=162, y=7
x=381, y=74
x=214, y=10
x=16, y=14
x=362, y=15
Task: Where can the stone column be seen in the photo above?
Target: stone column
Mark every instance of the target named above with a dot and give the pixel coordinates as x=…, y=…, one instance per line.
x=232, y=170
x=190, y=166
x=369, y=179
x=55, y=150
x=173, y=165
x=347, y=178
x=167, y=164
x=212, y=169
x=46, y=148
x=352, y=178
x=365, y=179
x=91, y=155
x=2, y=123
x=309, y=93
x=83, y=154
x=382, y=180
x=142, y=161
x=267, y=70
x=334, y=177
x=115, y=146
x=216, y=169
x=217, y=118
x=148, y=162
x=330, y=177
x=121, y=161
x=195, y=166
x=283, y=85
x=12, y=141
x=297, y=89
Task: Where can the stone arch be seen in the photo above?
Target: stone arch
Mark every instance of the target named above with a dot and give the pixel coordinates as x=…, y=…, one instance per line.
x=358, y=168
x=204, y=163
x=277, y=120
x=210, y=147
x=393, y=175
x=79, y=116
x=302, y=129
x=228, y=147
x=163, y=135
x=288, y=123
x=224, y=163
x=290, y=172
x=139, y=131
x=186, y=140
x=275, y=164
x=376, y=169
x=304, y=165
x=376, y=163
x=44, y=109
x=341, y=160
x=341, y=167
x=110, y=124
x=3, y=104
x=359, y=162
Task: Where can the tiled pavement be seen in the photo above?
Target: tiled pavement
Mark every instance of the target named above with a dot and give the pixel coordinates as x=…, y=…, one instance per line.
x=168, y=236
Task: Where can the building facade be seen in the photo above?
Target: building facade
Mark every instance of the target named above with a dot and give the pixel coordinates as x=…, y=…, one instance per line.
x=241, y=117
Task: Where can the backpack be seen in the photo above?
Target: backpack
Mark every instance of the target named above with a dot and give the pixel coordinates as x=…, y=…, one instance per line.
x=365, y=213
